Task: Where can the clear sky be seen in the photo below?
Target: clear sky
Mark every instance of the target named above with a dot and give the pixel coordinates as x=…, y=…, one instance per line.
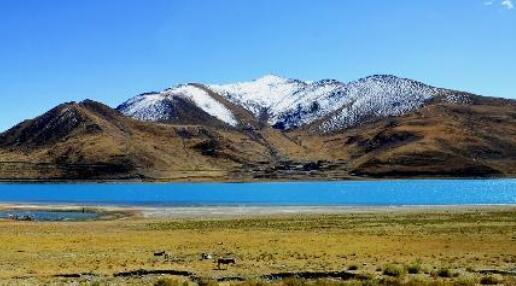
x=55, y=51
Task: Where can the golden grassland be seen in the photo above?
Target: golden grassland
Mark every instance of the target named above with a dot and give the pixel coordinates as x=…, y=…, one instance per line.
x=438, y=246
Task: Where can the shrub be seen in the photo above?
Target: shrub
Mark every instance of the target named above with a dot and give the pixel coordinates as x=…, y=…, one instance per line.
x=414, y=268
x=444, y=272
x=393, y=270
x=489, y=280
x=353, y=267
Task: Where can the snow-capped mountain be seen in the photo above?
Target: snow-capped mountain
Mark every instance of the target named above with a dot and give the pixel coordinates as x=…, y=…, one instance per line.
x=223, y=132
x=160, y=106
x=290, y=103
x=379, y=96
x=278, y=99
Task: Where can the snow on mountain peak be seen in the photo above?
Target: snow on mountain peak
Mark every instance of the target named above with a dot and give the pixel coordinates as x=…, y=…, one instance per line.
x=376, y=97
x=264, y=93
x=289, y=103
x=271, y=79
x=156, y=106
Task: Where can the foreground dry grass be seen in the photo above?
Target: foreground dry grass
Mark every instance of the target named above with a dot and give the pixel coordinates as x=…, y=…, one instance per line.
x=461, y=241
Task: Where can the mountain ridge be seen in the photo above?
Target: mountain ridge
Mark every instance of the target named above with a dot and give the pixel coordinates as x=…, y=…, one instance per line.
x=290, y=103
x=196, y=133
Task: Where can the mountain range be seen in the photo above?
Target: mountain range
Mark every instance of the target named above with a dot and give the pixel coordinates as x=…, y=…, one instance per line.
x=271, y=128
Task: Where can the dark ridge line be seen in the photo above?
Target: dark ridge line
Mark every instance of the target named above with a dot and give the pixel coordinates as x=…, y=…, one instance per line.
x=144, y=272
x=344, y=275
x=74, y=275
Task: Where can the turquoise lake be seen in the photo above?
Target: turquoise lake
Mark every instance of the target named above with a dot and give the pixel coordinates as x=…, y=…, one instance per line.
x=353, y=193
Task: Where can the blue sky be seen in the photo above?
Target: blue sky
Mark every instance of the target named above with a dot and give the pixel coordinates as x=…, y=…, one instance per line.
x=55, y=51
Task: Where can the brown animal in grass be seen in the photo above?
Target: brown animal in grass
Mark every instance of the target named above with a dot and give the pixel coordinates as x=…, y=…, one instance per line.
x=163, y=254
x=225, y=261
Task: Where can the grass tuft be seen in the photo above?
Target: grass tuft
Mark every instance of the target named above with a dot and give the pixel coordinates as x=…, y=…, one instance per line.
x=444, y=273
x=393, y=270
x=490, y=280
x=414, y=268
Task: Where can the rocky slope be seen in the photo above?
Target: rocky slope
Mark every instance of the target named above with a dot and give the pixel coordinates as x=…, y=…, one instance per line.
x=88, y=140
x=271, y=128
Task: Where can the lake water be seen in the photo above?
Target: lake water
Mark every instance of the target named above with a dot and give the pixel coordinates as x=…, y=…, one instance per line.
x=43, y=215
x=353, y=193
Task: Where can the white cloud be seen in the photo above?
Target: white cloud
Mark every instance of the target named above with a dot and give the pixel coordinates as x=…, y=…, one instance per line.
x=507, y=4
x=488, y=3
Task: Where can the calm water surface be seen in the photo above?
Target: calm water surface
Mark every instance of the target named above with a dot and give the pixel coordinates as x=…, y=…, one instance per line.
x=43, y=215
x=356, y=193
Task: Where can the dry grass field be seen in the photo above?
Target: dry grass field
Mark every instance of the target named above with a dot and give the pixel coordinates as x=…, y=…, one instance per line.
x=441, y=246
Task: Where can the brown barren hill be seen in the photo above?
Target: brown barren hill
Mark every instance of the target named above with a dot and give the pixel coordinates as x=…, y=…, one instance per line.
x=477, y=139
x=91, y=141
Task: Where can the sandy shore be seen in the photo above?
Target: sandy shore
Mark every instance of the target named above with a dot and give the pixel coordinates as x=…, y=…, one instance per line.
x=244, y=211
x=252, y=211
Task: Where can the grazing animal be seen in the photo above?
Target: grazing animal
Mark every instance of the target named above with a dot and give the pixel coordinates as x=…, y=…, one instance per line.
x=163, y=254
x=206, y=256
x=225, y=261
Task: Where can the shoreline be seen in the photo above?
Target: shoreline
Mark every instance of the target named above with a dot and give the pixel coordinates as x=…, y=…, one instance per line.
x=253, y=180
x=241, y=211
